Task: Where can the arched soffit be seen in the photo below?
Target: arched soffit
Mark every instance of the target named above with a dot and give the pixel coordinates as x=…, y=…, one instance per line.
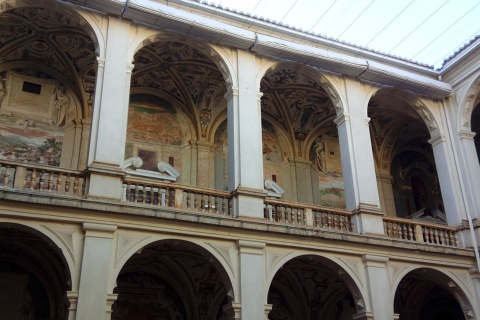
x=51, y=36
x=442, y=279
x=389, y=98
x=469, y=102
x=216, y=123
x=49, y=237
x=222, y=264
x=185, y=74
x=300, y=99
x=396, y=124
x=335, y=265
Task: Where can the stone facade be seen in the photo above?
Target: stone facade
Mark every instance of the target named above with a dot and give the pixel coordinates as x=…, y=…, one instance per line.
x=136, y=140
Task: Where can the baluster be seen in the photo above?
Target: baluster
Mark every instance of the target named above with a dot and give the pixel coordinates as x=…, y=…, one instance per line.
x=329, y=220
x=128, y=192
x=41, y=180
x=442, y=237
x=195, y=201
x=59, y=182
x=50, y=181
x=336, y=223
x=33, y=179
x=84, y=183
x=301, y=216
x=217, y=204
x=152, y=195
x=135, y=193
x=385, y=227
x=202, y=202
x=454, y=237
x=430, y=235
x=6, y=176
x=410, y=232
x=144, y=193
x=435, y=235
x=324, y=220
x=189, y=198
x=76, y=184
x=209, y=203
x=316, y=216
x=425, y=234
x=67, y=183
x=224, y=205
x=163, y=201
x=390, y=229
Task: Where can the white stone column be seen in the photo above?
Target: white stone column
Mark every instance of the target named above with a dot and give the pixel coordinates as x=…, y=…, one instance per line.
x=245, y=160
x=475, y=276
x=448, y=179
x=378, y=284
x=109, y=124
x=72, y=297
x=385, y=191
x=96, y=266
x=358, y=166
x=252, y=279
x=470, y=172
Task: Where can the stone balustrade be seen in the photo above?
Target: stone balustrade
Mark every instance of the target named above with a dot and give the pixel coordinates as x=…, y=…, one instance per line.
x=415, y=231
x=308, y=215
x=40, y=178
x=176, y=196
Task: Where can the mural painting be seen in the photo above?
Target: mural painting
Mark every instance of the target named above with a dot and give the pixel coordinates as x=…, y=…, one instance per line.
x=29, y=141
x=325, y=157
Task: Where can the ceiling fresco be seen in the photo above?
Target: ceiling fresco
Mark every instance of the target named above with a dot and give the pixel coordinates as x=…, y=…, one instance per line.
x=298, y=103
x=184, y=76
x=50, y=42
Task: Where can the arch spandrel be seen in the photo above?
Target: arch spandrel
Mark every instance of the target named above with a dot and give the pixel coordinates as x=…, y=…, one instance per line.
x=467, y=102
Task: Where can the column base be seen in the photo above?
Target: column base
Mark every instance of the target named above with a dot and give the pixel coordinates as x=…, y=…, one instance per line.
x=248, y=202
x=368, y=219
x=105, y=181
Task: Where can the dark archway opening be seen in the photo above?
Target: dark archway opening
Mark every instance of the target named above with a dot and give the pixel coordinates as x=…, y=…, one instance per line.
x=172, y=280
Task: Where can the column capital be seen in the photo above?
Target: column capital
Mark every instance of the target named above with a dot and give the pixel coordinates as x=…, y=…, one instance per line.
x=233, y=91
x=100, y=62
x=252, y=247
x=437, y=140
x=340, y=119
x=98, y=230
x=465, y=134
x=373, y=260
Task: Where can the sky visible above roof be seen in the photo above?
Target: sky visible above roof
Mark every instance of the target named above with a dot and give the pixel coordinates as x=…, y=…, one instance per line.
x=422, y=31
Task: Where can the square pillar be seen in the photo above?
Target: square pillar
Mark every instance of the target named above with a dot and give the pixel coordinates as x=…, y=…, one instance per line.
x=95, y=271
x=245, y=156
x=110, y=112
x=252, y=279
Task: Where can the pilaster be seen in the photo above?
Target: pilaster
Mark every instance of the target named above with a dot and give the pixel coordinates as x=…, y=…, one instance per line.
x=385, y=190
x=252, y=279
x=72, y=297
x=95, y=270
x=381, y=301
x=470, y=172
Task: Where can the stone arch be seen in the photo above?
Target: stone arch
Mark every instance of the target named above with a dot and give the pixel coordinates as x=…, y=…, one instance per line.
x=468, y=103
x=35, y=261
x=194, y=272
x=210, y=51
x=311, y=72
x=344, y=271
x=226, y=269
x=440, y=278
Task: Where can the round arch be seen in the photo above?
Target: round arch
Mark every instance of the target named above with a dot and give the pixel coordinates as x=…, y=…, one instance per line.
x=345, y=273
x=466, y=104
x=210, y=51
x=442, y=279
x=42, y=275
x=225, y=268
x=310, y=72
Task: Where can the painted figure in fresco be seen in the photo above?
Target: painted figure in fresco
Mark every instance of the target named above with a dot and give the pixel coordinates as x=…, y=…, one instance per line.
x=3, y=87
x=60, y=105
x=320, y=152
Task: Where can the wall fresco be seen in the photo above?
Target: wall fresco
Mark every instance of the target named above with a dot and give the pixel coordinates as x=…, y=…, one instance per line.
x=150, y=121
x=28, y=141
